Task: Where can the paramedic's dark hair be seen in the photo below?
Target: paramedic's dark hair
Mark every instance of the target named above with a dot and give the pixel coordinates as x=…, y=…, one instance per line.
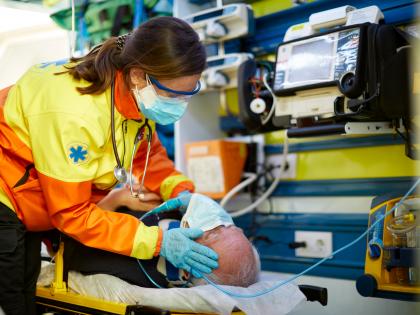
x=163, y=47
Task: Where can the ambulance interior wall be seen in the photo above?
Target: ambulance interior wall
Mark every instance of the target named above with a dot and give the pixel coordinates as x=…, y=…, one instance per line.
x=28, y=37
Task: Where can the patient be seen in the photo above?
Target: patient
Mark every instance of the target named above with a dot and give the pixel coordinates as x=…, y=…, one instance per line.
x=238, y=261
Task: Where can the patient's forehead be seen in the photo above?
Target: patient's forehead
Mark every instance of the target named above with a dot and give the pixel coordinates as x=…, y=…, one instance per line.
x=218, y=236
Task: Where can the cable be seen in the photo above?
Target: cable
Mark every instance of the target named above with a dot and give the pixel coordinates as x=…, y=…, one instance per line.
x=400, y=134
x=147, y=275
x=268, y=192
x=250, y=178
x=322, y=260
x=265, y=120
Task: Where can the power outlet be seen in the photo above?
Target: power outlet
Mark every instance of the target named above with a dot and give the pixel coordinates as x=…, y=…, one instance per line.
x=318, y=244
x=290, y=172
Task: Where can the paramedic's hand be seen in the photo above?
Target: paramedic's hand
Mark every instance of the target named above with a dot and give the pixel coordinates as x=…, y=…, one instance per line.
x=120, y=197
x=179, y=249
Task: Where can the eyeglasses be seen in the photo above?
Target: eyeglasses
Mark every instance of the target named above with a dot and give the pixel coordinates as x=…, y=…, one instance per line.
x=178, y=94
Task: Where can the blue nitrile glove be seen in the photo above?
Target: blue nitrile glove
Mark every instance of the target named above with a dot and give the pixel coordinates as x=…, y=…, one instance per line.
x=182, y=200
x=179, y=202
x=181, y=251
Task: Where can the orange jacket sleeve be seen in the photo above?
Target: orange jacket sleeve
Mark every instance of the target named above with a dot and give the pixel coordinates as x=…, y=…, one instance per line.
x=72, y=213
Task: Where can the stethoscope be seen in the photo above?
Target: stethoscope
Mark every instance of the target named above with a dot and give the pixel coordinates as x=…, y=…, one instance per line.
x=120, y=173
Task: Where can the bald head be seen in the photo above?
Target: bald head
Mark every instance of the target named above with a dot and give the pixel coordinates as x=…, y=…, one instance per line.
x=238, y=261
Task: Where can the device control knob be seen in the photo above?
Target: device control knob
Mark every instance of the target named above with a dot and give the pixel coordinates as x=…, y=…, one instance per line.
x=258, y=106
x=348, y=85
x=217, y=79
x=215, y=29
x=375, y=248
x=201, y=34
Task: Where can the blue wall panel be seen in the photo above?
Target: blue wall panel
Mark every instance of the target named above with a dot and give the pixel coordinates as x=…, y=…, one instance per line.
x=344, y=187
x=339, y=143
x=274, y=232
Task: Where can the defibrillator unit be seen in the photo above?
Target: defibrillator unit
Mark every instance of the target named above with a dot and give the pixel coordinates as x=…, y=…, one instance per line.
x=357, y=72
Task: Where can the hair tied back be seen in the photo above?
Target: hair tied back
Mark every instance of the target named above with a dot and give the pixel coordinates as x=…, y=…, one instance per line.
x=120, y=41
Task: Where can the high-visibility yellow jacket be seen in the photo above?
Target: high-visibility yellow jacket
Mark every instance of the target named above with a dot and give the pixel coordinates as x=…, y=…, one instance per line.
x=46, y=123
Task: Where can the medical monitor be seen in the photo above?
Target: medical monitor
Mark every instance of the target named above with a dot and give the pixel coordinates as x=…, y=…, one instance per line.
x=315, y=61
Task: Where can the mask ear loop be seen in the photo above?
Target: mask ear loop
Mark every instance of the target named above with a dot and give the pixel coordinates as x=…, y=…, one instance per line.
x=137, y=94
x=149, y=83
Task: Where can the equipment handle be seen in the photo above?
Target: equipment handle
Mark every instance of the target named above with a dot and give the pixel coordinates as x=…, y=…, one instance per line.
x=314, y=293
x=149, y=310
x=316, y=131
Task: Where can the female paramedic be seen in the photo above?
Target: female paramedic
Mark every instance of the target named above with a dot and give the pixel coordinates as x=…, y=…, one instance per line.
x=70, y=132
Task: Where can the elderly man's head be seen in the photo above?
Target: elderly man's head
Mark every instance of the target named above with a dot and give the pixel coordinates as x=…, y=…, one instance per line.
x=239, y=263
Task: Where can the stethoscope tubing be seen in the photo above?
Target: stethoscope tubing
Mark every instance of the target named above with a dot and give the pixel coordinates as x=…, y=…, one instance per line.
x=137, y=139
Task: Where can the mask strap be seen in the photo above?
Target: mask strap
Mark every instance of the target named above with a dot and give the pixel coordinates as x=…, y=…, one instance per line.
x=149, y=82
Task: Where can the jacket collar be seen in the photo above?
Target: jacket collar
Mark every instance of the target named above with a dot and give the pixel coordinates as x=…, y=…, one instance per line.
x=124, y=100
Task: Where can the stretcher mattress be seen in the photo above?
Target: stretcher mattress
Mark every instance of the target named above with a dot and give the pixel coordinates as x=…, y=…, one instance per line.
x=201, y=299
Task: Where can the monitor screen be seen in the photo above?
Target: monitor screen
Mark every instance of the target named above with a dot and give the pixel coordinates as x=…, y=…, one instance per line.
x=311, y=62
x=319, y=59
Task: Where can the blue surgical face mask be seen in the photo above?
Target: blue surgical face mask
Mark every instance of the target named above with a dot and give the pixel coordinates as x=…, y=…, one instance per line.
x=162, y=110
x=204, y=213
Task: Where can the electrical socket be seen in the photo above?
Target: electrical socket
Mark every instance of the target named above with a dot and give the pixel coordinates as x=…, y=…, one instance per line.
x=290, y=172
x=318, y=244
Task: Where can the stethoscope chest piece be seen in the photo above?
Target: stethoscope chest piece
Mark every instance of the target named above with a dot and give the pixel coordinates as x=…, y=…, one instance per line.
x=120, y=174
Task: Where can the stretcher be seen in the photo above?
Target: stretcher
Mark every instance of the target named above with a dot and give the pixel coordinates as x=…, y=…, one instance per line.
x=59, y=299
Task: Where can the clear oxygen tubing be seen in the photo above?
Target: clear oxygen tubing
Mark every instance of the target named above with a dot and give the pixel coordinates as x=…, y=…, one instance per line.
x=265, y=120
x=148, y=276
x=141, y=265
x=265, y=195
x=281, y=283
